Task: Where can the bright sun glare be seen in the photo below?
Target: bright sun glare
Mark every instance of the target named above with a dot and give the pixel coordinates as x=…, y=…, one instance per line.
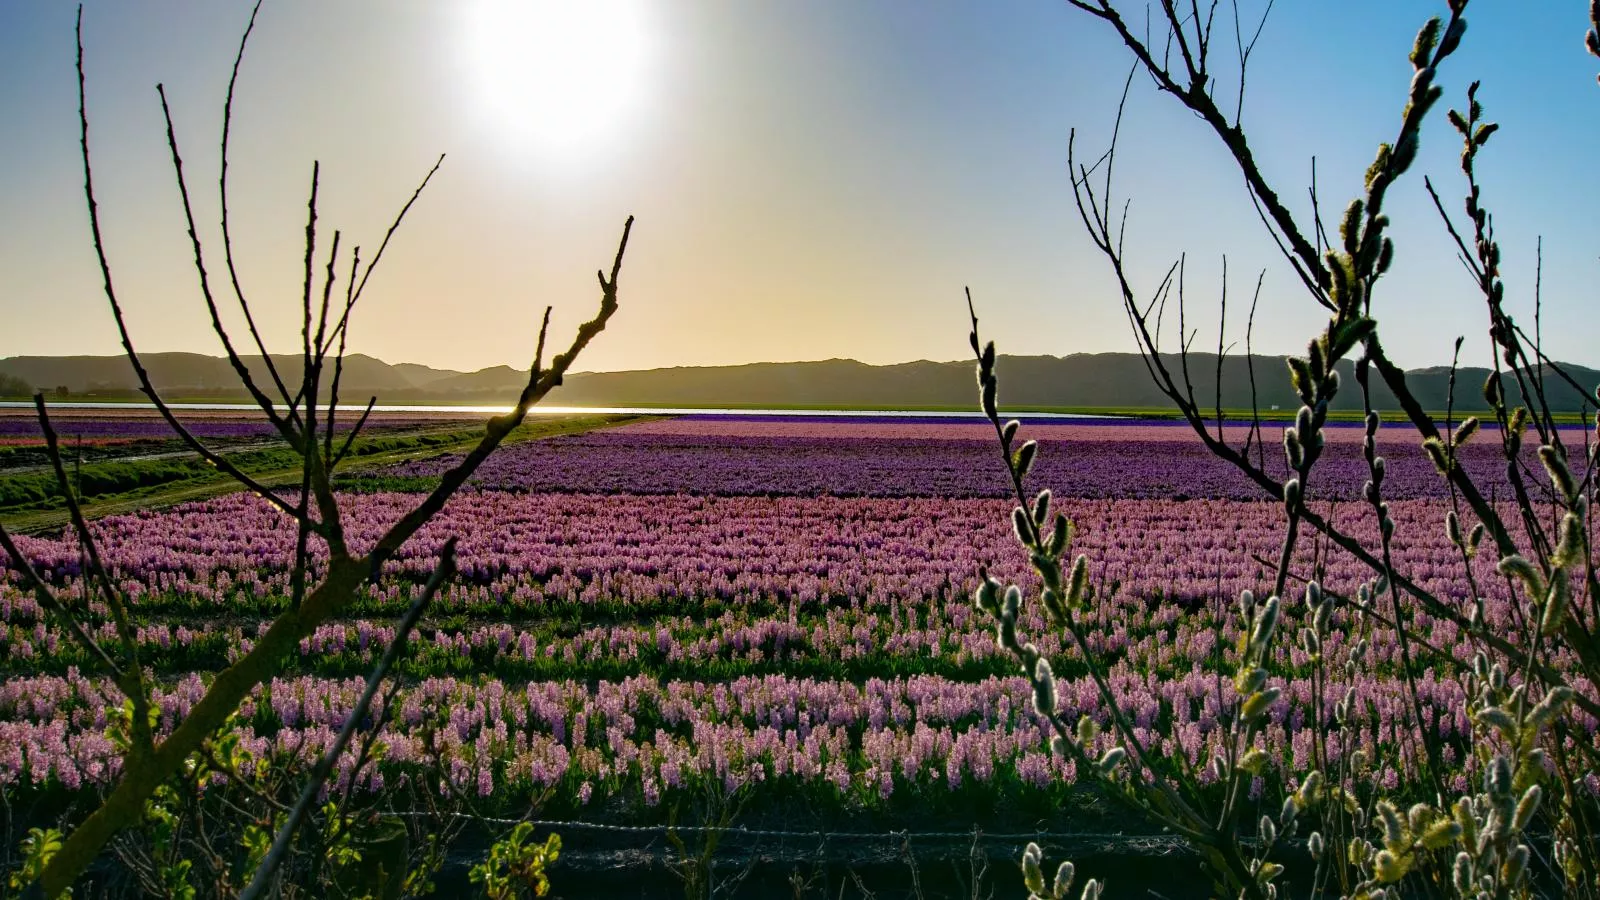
x=557, y=77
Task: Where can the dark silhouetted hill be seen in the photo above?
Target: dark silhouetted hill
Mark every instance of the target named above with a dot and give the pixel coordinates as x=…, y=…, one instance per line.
x=1079, y=380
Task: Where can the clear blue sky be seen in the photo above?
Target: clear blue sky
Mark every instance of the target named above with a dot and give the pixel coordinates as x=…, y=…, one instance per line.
x=811, y=179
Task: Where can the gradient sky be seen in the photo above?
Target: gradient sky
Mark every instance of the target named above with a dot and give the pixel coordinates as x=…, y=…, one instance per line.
x=811, y=179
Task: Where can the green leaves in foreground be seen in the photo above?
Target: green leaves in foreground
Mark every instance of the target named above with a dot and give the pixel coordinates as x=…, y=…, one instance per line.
x=516, y=868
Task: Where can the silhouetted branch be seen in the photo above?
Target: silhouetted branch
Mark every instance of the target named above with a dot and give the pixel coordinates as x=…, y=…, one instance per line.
x=334, y=460
x=1245, y=49
x=305, y=299
x=1318, y=228
x=1187, y=405
x=204, y=278
x=384, y=244
x=343, y=330
x=322, y=315
x=227, y=234
x=1299, y=252
x=1099, y=227
x=1250, y=367
x=540, y=383
x=1222, y=331
x=1341, y=277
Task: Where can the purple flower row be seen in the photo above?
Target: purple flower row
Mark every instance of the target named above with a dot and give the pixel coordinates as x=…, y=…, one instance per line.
x=525, y=551
x=942, y=632
x=135, y=427
x=641, y=461
x=647, y=738
x=148, y=425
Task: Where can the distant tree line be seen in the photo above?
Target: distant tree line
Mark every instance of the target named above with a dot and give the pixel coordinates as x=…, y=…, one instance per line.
x=13, y=387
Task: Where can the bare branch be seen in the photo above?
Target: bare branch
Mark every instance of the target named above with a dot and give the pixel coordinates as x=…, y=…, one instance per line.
x=343, y=329
x=1298, y=250
x=1192, y=63
x=1222, y=330
x=350, y=438
x=202, y=274
x=357, y=287
x=540, y=383
x=322, y=327
x=395, y=226
x=305, y=327
x=1245, y=49
x=327, y=296
x=1250, y=366
x=1319, y=229
x=227, y=236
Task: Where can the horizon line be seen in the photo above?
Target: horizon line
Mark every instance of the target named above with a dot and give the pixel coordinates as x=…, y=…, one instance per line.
x=736, y=365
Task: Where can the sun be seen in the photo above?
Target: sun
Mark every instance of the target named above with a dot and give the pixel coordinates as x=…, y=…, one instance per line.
x=557, y=77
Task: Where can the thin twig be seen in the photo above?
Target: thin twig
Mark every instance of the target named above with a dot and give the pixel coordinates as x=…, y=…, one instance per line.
x=227, y=235
x=204, y=278
x=540, y=382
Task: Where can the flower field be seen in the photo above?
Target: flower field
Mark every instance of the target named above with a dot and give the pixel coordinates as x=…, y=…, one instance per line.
x=1106, y=459
x=776, y=603
x=20, y=427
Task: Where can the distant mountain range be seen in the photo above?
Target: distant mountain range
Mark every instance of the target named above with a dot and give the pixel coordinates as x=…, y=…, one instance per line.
x=1079, y=380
